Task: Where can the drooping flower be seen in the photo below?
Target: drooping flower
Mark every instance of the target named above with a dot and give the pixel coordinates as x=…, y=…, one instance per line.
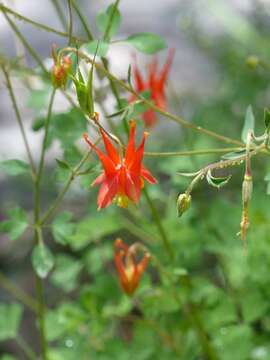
x=123, y=175
x=155, y=83
x=128, y=268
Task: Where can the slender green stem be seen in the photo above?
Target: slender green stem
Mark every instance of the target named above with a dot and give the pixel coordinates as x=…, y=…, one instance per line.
x=26, y=348
x=46, y=134
x=192, y=152
x=60, y=13
x=19, y=121
x=83, y=20
x=110, y=22
x=41, y=317
x=70, y=26
x=25, y=43
x=18, y=293
x=39, y=25
x=159, y=225
x=38, y=232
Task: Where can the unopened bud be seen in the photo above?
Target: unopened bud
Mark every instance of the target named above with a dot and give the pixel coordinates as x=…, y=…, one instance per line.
x=252, y=61
x=183, y=203
x=247, y=186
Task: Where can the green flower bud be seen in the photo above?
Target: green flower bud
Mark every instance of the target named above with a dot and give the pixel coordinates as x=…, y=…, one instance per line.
x=183, y=203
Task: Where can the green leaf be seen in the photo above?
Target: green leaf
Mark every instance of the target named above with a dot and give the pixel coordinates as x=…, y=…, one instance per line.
x=147, y=43
x=66, y=272
x=17, y=223
x=102, y=47
x=217, y=181
x=66, y=319
x=267, y=118
x=249, y=123
x=42, y=260
x=14, y=167
x=38, y=99
x=103, y=19
x=67, y=127
x=10, y=318
x=92, y=228
x=234, y=342
x=62, y=229
x=254, y=305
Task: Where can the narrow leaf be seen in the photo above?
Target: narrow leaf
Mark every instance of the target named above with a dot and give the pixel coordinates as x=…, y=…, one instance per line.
x=233, y=155
x=188, y=174
x=63, y=164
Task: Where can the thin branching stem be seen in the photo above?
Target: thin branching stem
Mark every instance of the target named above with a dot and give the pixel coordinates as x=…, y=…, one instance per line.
x=70, y=25
x=83, y=20
x=173, y=117
x=18, y=293
x=30, y=354
x=192, y=152
x=60, y=14
x=39, y=25
x=19, y=120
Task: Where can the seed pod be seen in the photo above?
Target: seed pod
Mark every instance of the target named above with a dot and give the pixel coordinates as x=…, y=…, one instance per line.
x=183, y=203
x=247, y=186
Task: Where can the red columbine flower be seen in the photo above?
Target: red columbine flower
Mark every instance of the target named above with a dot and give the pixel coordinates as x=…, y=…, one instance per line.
x=129, y=270
x=155, y=82
x=123, y=176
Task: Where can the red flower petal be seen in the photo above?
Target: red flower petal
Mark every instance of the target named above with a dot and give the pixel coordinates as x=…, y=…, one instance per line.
x=107, y=192
x=136, y=165
x=139, y=83
x=166, y=68
x=133, y=187
x=99, y=179
x=107, y=163
x=148, y=176
x=111, y=150
x=130, y=150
